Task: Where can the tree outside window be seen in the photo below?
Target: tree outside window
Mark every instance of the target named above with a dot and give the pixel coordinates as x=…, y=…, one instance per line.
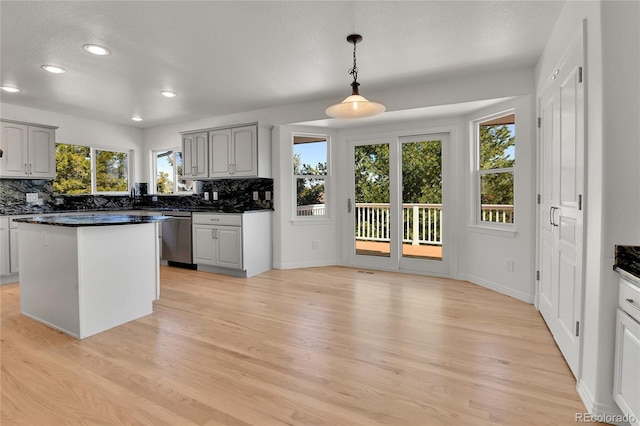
x=311, y=175
x=496, y=166
x=168, y=172
x=85, y=170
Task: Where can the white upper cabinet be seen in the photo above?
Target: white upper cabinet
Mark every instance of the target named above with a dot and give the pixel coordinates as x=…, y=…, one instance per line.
x=195, y=148
x=220, y=153
x=240, y=151
x=29, y=151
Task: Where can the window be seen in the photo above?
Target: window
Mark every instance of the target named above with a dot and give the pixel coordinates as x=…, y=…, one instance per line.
x=311, y=175
x=85, y=170
x=496, y=160
x=167, y=165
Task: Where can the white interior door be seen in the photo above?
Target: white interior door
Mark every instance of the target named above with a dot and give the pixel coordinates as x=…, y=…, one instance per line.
x=561, y=185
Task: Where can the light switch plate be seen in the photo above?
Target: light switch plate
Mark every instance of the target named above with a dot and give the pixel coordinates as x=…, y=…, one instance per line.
x=32, y=197
x=255, y=196
x=267, y=195
x=215, y=195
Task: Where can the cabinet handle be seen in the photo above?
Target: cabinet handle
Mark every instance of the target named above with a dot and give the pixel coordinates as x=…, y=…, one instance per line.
x=26, y=171
x=214, y=220
x=632, y=303
x=29, y=168
x=213, y=233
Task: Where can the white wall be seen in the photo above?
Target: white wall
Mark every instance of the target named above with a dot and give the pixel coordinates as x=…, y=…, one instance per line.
x=484, y=252
x=82, y=131
x=292, y=245
x=612, y=198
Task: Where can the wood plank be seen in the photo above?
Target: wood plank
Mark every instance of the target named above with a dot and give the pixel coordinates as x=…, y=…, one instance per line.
x=317, y=346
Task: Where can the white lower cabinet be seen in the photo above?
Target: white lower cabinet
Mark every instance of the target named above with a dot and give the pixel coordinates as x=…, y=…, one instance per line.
x=5, y=257
x=626, y=384
x=221, y=243
x=218, y=246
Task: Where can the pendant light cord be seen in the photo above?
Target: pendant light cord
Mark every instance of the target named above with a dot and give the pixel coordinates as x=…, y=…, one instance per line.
x=354, y=71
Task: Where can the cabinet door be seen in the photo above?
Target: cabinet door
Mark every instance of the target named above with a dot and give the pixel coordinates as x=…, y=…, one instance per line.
x=201, y=151
x=4, y=251
x=245, y=151
x=229, y=242
x=188, y=156
x=42, y=153
x=203, y=245
x=13, y=250
x=13, y=142
x=219, y=153
x=626, y=384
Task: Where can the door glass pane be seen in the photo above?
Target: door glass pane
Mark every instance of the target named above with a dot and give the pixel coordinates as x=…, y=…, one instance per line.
x=372, y=216
x=422, y=199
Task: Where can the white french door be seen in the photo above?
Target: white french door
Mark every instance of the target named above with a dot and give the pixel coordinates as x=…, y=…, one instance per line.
x=560, y=210
x=398, y=204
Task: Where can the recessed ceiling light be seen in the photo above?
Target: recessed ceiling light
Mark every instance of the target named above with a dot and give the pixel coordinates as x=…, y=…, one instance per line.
x=53, y=69
x=168, y=94
x=96, y=50
x=136, y=118
x=10, y=89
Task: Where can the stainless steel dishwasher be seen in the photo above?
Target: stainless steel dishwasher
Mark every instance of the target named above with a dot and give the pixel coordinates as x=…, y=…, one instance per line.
x=176, y=238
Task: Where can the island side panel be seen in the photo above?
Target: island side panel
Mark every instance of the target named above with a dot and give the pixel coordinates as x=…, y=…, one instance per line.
x=49, y=276
x=117, y=268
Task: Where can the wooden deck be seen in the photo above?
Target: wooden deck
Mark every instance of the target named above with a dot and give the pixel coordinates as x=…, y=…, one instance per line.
x=374, y=248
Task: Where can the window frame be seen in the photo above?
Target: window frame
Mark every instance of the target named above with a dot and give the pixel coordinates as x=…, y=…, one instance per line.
x=176, y=176
x=93, y=167
x=477, y=173
x=327, y=180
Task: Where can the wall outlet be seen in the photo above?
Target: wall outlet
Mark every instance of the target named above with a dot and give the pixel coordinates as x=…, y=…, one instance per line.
x=256, y=197
x=215, y=195
x=509, y=265
x=154, y=198
x=32, y=197
x=206, y=196
x=267, y=195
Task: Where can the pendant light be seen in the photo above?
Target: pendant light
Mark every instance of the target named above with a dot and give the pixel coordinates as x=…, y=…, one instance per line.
x=354, y=106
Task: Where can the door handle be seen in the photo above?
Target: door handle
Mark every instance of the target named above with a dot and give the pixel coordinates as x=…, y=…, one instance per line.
x=552, y=215
x=349, y=205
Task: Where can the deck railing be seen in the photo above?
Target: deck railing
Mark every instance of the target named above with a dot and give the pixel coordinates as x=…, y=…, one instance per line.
x=421, y=223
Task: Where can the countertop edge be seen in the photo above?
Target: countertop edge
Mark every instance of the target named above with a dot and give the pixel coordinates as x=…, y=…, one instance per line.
x=627, y=275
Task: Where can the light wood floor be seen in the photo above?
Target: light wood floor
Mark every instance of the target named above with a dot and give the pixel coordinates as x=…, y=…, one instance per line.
x=319, y=346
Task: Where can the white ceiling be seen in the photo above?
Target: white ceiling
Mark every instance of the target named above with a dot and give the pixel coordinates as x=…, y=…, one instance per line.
x=224, y=57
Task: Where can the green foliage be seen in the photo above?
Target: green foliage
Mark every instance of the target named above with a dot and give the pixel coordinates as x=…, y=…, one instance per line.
x=372, y=173
x=495, y=141
x=422, y=172
x=73, y=169
x=309, y=190
x=164, y=185
x=111, y=171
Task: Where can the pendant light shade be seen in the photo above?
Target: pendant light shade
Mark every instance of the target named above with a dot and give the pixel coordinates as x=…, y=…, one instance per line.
x=355, y=105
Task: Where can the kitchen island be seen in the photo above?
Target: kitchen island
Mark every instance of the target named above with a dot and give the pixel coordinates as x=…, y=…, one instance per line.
x=84, y=274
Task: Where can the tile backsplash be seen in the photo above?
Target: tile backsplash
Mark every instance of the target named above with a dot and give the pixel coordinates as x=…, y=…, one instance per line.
x=234, y=195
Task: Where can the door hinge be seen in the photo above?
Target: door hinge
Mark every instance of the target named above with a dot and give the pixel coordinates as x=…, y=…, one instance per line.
x=537, y=275
x=579, y=74
x=577, y=328
x=538, y=198
x=539, y=122
x=580, y=202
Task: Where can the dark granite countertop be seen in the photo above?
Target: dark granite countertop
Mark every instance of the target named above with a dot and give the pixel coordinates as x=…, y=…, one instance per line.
x=79, y=220
x=148, y=209
x=627, y=260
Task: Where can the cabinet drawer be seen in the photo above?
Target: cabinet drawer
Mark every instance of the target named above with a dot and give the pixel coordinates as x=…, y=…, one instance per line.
x=4, y=223
x=217, y=219
x=629, y=299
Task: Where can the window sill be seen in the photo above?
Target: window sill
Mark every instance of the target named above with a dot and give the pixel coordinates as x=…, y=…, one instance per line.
x=493, y=230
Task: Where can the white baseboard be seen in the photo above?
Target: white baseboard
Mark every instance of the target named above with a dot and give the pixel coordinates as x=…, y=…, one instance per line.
x=306, y=264
x=527, y=298
x=607, y=412
x=9, y=279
